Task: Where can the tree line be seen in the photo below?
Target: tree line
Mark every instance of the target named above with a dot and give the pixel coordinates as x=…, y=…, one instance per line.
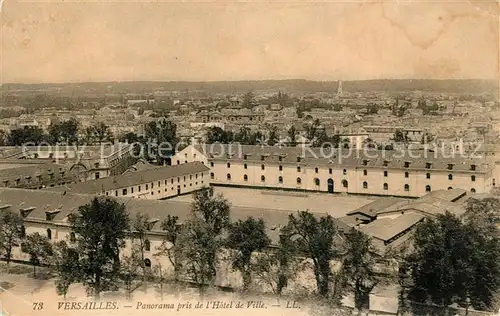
x=451, y=261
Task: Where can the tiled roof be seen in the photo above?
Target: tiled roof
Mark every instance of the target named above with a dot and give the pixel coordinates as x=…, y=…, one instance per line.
x=372, y=209
x=387, y=228
x=136, y=178
x=389, y=159
x=66, y=203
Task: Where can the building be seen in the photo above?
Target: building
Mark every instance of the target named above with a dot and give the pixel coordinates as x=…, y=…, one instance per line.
x=382, y=134
x=149, y=183
x=34, y=174
x=373, y=172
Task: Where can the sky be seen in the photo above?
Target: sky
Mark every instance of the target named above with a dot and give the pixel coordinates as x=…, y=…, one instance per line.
x=53, y=41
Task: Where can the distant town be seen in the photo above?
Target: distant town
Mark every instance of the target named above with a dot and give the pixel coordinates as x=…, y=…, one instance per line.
x=369, y=196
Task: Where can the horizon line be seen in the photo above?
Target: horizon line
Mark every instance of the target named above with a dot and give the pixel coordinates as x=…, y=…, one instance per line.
x=249, y=80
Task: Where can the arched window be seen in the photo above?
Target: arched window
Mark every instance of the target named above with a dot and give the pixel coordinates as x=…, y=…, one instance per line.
x=472, y=178
x=473, y=190
x=147, y=263
x=245, y=166
x=427, y=188
x=450, y=177
x=365, y=185
x=280, y=179
x=344, y=172
x=229, y=165
x=316, y=170
x=147, y=245
x=299, y=180
x=298, y=168
x=262, y=167
x=365, y=172
x=316, y=181
x=407, y=174
x=49, y=233
x=212, y=175
x=345, y=183
x=428, y=175
x=386, y=186
x=449, y=188
x=228, y=176
x=281, y=168
x=178, y=162
x=72, y=237
x=385, y=173
x=262, y=178
x=245, y=177
x=407, y=187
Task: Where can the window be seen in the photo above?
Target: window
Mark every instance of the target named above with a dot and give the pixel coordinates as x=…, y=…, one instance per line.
x=280, y=179
x=316, y=181
x=132, y=190
x=147, y=263
x=428, y=165
x=386, y=186
x=245, y=156
x=365, y=185
x=407, y=164
x=298, y=169
x=262, y=178
x=280, y=158
x=450, y=188
x=171, y=181
x=407, y=187
x=228, y=176
x=139, y=188
x=385, y=173
x=147, y=187
x=316, y=170
x=365, y=172
x=116, y=193
x=472, y=167
x=427, y=188
x=245, y=178
x=147, y=245
x=190, y=178
x=407, y=175
x=281, y=168
x=472, y=178
x=299, y=180
x=473, y=190
x=229, y=165
x=345, y=184
x=212, y=175
x=211, y=164
x=178, y=180
x=153, y=185
x=124, y=192
x=450, y=177
x=386, y=163
x=97, y=175
x=330, y=171
x=262, y=167
x=428, y=175
x=262, y=158
x=298, y=159
x=49, y=233
x=178, y=162
x=365, y=162
x=450, y=166
x=245, y=166
x=344, y=172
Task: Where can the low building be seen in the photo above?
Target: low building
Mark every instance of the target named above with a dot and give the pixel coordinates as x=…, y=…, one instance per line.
x=149, y=183
x=34, y=174
x=388, y=173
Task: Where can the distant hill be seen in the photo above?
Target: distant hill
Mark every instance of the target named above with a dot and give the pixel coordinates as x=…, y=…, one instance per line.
x=465, y=86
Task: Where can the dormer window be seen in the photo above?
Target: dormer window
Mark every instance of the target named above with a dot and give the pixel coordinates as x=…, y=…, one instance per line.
x=386, y=163
x=49, y=215
x=24, y=212
x=280, y=158
x=407, y=164
x=472, y=167
x=365, y=162
x=96, y=165
x=245, y=156
x=428, y=165
x=299, y=159
x=262, y=158
x=450, y=166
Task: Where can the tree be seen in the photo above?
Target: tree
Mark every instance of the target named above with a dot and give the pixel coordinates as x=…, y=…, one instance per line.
x=99, y=133
x=272, y=136
x=212, y=210
x=66, y=266
x=129, y=137
x=11, y=232
x=245, y=238
x=372, y=108
x=66, y=131
x=484, y=213
x=168, y=246
x=3, y=138
x=292, y=134
x=243, y=135
x=25, y=135
x=216, y=134
x=454, y=262
x=100, y=228
x=248, y=100
x=130, y=266
x=39, y=249
x=314, y=239
x=358, y=267
x=399, y=136
x=139, y=239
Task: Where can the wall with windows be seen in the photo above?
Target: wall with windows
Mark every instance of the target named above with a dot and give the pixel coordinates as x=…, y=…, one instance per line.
x=165, y=188
x=369, y=180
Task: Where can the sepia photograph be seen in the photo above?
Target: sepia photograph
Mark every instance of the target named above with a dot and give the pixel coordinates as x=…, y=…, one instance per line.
x=257, y=157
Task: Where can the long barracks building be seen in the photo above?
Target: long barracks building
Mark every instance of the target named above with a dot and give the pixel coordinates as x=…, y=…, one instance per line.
x=387, y=173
